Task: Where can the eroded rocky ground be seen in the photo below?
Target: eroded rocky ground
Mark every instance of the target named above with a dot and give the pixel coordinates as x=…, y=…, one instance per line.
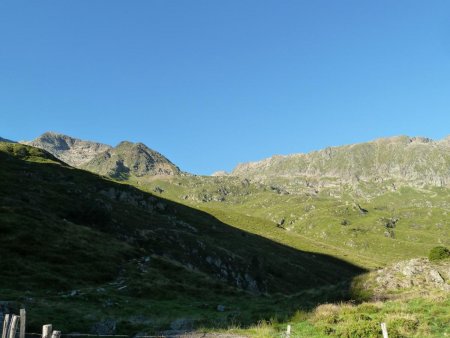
x=414, y=275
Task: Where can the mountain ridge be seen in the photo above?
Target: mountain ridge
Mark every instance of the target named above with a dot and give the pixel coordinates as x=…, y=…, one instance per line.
x=6, y=140
x=125, y=160
x=418, y=160
x=71, y=150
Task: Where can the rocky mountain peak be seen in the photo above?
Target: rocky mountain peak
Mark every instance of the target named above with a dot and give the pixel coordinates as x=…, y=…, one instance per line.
x=68, y=149
x=132, y=159
x=125, y=160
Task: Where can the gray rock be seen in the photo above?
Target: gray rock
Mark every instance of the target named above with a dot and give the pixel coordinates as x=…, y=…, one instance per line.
x=414, y=273
x=182, y=324
x=104, y=327
x=436, y=277
x=161, y=206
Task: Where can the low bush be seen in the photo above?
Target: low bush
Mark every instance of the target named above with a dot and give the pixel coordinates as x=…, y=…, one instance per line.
x=438, y=253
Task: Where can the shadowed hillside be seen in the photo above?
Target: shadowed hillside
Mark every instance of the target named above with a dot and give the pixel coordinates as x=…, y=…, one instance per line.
x=86, y=241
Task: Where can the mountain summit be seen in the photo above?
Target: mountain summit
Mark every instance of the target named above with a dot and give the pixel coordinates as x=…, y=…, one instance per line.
x=121, y=162
x=131, y=159
x=68, y=149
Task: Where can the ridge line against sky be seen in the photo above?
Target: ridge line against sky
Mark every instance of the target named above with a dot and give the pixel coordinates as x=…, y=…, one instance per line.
x=247, y=161
x=213, y=84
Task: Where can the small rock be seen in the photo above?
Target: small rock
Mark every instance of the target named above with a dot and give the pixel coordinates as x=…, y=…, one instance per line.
x=436, y=277
x=104, y=327
x=182, y=324
x=159, y=190
x=220, y=308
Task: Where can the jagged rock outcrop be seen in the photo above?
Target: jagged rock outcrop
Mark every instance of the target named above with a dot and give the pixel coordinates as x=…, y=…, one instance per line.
x=72, y=151
x=131, y=159
x=416, y=160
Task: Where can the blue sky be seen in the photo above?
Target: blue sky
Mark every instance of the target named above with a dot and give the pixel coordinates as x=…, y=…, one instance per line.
x=213, y=83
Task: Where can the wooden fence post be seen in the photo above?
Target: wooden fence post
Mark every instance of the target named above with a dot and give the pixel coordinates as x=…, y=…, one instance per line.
x=23, y=320
x=56, y=334
x=5, y=326
x=13, y=326
x=288, y=331
x=47, y=331
x=384, y=330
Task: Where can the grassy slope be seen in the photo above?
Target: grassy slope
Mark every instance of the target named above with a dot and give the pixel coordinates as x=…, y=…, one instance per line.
x=160, y=289
x=323, y=223
x=419, y=317
x=77, y=248
x=315, y=222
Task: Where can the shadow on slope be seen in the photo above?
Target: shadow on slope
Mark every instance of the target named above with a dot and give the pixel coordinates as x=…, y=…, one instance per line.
x=78, y=248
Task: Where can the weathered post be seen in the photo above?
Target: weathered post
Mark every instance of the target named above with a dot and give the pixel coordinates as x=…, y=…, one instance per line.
x=56, y=334
x=384, y=330
x=47, y=331
x=13, y=326
x=23, y=320
x=5, y=326
x=288, y=331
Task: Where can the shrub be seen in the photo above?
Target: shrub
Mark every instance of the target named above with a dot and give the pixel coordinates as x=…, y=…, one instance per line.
x=438, y=253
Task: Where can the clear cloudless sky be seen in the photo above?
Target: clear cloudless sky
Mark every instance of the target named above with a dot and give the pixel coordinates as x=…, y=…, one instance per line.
x=213, y=83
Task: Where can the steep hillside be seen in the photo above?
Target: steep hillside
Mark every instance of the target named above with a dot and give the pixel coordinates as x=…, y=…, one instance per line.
x=5, y=140
x=80, y=248
x=131, y=160
x=70, y=150
x=398, y=160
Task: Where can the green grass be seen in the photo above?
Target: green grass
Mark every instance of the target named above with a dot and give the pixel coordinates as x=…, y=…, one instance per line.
x=67, y=231
x=77, y=248
x=419, y=317
x=322, y=223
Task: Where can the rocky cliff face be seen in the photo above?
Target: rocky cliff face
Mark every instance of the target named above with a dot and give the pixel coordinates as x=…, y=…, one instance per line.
x=131, y=159
x=418, y=161
x=70, y=150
